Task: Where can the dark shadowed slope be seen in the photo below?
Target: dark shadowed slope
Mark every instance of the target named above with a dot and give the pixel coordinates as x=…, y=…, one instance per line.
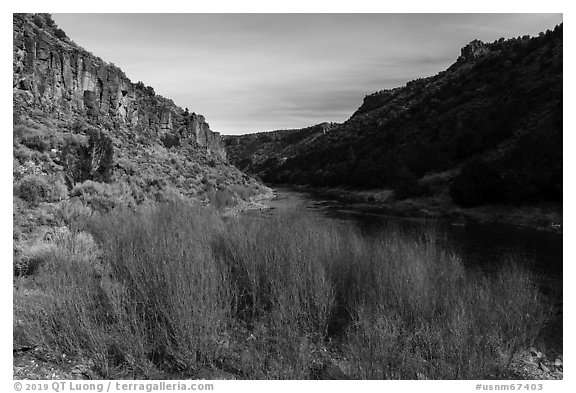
x=490, y=126
x=260, y=153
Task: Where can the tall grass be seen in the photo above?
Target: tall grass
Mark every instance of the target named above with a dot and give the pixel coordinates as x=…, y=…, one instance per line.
x=168, y=294
x=174, y=288
x=283, y=292
x=152, y=297
x=424, y=316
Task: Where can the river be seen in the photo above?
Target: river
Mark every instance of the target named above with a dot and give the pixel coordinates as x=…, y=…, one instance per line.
x=483, y=245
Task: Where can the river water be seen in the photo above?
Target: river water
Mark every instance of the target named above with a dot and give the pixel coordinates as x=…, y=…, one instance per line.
x=483, y=245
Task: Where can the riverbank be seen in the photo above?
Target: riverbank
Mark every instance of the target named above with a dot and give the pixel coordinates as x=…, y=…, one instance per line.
x=291, y=297
x=542, y=217
x=255, y=202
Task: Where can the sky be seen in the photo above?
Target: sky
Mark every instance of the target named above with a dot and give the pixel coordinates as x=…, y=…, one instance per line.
x=258, y=72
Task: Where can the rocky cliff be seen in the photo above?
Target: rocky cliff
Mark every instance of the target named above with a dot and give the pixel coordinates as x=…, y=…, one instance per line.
x=86, y=139
x=56, y=76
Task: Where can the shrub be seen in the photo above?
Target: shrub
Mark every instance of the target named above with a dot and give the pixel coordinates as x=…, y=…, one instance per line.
x=281, y=288
x=27, y=262
x=74, y=158
x=244, y=192
x=73, y=213
x=16, y=168
x=88, y=188
x=39, y=188
x=278, y=272
x=72, y=301
x=221, y=198
x=32, y=138
x=49, y=21
x=59, y=33
x=184, y=299
x=29, y=158
x=406, y=185
x=103, y=197
x=38, y=21
x=181, y=306
x=170, y=140
x=168, y=194
x=477, y=184
x=533, y=169
x=423, y=315
x=155, y=182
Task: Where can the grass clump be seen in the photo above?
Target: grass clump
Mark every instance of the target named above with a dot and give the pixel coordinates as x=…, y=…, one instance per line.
x=172, y=287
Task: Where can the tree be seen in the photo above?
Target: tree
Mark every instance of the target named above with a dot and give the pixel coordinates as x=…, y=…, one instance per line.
x=38, y=21
x=101, y=156
x=92, y=161
x=477, y=184
x=60, y=34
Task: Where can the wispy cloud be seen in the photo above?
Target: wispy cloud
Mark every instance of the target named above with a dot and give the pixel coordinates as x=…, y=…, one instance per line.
x=255, y=72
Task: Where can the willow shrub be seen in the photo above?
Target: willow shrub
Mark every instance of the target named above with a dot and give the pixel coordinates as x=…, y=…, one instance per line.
x=174, y=287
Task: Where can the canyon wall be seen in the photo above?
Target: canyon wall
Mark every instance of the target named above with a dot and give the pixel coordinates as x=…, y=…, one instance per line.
x=56, y=76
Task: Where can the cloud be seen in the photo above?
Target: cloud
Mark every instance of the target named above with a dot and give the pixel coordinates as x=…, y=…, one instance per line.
x=256, y=72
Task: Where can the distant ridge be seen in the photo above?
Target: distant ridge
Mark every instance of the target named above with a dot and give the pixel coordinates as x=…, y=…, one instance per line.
x=490, y=126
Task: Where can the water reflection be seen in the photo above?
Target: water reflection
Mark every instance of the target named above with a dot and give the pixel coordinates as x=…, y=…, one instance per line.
x=477, y=243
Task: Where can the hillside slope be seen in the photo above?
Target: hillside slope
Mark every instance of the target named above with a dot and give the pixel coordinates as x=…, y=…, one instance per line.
x=86, y=139
x=262, y=152
x=486, y=130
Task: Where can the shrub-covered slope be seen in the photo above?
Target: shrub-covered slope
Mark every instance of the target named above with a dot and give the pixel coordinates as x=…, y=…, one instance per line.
x=86, y=136
x=494, y=118
x=264, y=152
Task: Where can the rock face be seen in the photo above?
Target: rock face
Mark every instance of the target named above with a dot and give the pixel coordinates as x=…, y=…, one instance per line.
x=473, y=50
x=54, y=75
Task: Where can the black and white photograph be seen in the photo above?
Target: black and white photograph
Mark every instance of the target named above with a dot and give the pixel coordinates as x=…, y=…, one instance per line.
x=287, y=196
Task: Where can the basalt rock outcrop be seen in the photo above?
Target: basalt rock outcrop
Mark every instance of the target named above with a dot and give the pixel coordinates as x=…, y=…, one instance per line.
x=56, y=76
x=473, y=50
x=85, y=135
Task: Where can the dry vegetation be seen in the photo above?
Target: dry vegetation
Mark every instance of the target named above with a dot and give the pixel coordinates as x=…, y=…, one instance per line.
x=175, y=288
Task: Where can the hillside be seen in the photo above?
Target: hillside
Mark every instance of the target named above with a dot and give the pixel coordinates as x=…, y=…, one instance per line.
x=486, y=130
x=86, y=138
x=260, y=153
